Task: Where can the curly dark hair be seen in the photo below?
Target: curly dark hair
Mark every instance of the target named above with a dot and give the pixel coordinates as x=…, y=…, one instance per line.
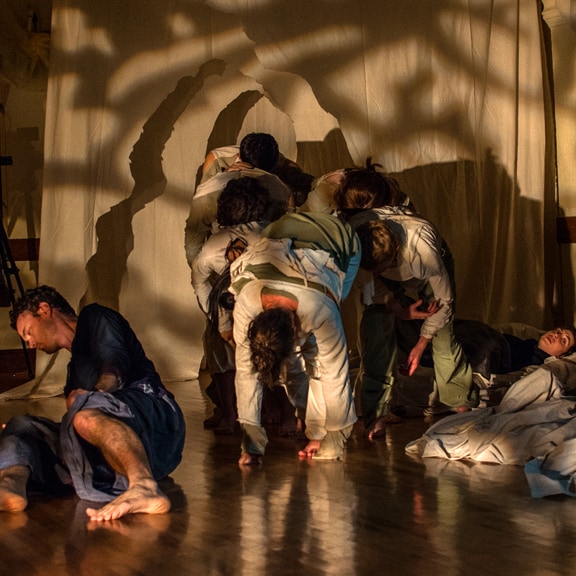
x=243, y=200
x=271, y=336
x=366, y=188
x=260, y=150
x=32, y=298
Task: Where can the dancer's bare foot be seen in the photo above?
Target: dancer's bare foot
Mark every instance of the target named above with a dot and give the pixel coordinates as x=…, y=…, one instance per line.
x=13, y=482
x=247, y=459
x=143, y=497
x=141, y=528
x=379, y=428
x=310, y=449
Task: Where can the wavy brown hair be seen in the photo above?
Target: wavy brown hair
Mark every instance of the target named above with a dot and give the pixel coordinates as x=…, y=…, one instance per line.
x=243, y=200
x=271, y=336
x=365, y=189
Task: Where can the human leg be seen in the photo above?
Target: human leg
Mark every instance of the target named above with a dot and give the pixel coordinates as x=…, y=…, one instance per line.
x=13, y=482
x=126, y=455
x=330, y=411
x=220, y=364
x=332, y=447
x=249, y=394
x=303, y=373
x=378, y=354
x=224, y=383
x=452, y=371
x=294, y=395
x=254, y=441
x=29, y=451
x=290, y=423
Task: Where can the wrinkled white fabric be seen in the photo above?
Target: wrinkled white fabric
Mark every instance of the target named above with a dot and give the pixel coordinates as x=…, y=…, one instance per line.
x=534, y=425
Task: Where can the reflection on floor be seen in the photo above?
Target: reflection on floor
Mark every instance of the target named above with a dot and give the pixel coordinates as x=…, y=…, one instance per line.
x=377, y=512
x=16, y=367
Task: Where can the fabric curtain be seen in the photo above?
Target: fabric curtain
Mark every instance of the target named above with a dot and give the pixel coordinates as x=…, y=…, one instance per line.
x=450, y=96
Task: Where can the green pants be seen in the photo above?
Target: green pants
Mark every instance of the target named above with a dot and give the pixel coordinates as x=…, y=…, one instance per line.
x=378, y=353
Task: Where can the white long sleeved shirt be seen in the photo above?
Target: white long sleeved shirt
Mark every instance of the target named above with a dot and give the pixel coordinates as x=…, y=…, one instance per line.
x=420, y=262
x=211, y=260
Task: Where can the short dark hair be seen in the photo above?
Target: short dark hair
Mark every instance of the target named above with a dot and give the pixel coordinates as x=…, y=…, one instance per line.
x=271, y=337
x=260, y=150
x=377, y=242
x=365, y=189
x=31, y=299
x=243, y=200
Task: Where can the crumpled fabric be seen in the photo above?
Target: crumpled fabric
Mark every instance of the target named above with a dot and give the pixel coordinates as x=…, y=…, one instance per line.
x=534, y=426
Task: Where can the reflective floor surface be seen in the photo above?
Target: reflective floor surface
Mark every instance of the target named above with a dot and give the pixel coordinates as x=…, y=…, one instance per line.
x=377, y=512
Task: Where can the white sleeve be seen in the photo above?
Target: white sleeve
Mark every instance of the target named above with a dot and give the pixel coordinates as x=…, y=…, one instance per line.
x=429, y=266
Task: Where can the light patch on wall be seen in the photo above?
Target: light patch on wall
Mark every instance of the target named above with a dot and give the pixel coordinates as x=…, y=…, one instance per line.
x=326, y=42
x=81, y=122
x=179, y=56
x=238, y=6
x=83, y=37
x=180, y=25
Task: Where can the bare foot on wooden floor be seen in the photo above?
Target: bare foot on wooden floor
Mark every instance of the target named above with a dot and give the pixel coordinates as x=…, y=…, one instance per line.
x=143, y=497
x=13, y=482
x=379, y=428
x=310, y=449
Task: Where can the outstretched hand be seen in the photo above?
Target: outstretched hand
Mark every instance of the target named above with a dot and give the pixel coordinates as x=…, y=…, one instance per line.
x=414, y=357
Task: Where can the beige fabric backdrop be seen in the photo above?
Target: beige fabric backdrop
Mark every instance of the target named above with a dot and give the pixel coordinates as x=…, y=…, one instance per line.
x=448, y=94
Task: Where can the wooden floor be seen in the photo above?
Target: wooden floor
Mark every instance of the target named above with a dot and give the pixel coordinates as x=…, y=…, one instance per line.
x=377, y=512
x=16, y=367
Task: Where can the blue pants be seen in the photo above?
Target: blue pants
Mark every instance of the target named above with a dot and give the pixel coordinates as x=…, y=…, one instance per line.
x=57, y=457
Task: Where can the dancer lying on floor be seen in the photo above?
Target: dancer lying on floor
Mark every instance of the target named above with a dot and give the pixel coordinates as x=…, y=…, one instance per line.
x=495, y=352
x=534, y=425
